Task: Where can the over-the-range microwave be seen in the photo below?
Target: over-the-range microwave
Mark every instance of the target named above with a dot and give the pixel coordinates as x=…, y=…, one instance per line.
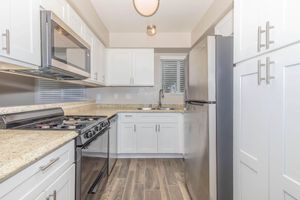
x=65, y=55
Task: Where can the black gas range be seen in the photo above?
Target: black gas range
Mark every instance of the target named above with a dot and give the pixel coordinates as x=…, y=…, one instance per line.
x=91, y=143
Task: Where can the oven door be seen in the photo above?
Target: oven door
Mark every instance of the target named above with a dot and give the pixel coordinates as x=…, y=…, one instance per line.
x=92, y=164
x=65, y=54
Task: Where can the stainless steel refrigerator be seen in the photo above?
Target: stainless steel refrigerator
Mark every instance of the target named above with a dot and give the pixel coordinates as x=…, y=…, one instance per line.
x=209, y=120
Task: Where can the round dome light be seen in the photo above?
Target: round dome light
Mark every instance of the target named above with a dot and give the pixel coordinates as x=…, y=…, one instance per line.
x=146, y=8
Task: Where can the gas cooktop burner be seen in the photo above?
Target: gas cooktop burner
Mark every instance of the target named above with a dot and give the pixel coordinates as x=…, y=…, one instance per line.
x=88, y=127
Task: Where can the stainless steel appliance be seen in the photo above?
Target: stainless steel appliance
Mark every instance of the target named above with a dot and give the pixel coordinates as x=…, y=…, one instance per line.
x=65, y=55
x=113, y=145
x=209, y=120
x=91, y=143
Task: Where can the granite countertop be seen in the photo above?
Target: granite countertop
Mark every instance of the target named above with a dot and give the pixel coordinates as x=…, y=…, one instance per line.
x=111, y=110
x=21, y=148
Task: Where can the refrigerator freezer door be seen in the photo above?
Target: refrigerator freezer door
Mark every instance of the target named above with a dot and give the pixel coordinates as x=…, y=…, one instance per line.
x=201, y=72
x=200, y=151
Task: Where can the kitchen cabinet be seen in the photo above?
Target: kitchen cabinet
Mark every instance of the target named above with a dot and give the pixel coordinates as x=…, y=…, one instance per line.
x=273, y=26
x=130, y=67
x=146, y=141
x=251, y=97
x=284, y=123
x=64, y=186
x=266, y=126
x=168, y=138
x=53, y=173
x=150, y=133
x=20, y=33
x=97, y=70
x=59, y=7
x=127, y=138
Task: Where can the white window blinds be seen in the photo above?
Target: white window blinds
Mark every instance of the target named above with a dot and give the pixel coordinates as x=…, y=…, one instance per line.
x=173, y=75
x=57, y=92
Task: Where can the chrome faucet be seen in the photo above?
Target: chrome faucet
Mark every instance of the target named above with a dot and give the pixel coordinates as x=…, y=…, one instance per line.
x=161, y=95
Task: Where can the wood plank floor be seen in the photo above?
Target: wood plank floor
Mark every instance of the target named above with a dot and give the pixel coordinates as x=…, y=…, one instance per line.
x=146, y=179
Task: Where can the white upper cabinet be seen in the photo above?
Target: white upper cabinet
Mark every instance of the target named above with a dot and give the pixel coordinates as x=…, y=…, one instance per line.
x=263, y=26
x=143, y=71
x=130, y=67
x=59, y=7
x=249, y=20
x=285, y=111
x=20, y=32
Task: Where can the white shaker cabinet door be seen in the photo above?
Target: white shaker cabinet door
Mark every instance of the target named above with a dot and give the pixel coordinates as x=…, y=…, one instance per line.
x=283, y=17
x=119, y=67
x=251, y=133
x=146, y=138
x=143, y=69
x=285, y=138
x=64, y=186
x=248, y=16
x=20, y=31
x=168, y=138
x=127, y=138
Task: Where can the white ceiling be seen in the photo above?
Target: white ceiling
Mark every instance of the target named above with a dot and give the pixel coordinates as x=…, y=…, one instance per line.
x=119, y=16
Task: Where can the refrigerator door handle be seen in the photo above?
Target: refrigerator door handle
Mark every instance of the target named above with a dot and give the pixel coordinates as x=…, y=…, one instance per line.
x=200, y=102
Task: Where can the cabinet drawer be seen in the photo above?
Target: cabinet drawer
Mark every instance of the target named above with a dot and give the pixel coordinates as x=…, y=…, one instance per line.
x=158, y=117
x=127, y=117
x=31, y=178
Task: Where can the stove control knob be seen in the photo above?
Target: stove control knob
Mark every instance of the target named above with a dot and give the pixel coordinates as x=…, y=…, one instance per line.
x=89, y=134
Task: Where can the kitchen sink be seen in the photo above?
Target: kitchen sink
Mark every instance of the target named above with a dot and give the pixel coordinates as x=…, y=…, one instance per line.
x=148, y=108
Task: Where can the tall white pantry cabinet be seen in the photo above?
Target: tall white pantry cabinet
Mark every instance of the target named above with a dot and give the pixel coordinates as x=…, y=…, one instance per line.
x=267, y=100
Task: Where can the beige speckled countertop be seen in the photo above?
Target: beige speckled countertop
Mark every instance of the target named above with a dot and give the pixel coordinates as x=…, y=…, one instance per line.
x=111, y=110
x=21, y=148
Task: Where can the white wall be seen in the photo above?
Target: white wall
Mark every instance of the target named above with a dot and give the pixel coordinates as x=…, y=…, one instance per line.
x=214, y=14
x=142, y=40
x=225, y=25
x=137, y=95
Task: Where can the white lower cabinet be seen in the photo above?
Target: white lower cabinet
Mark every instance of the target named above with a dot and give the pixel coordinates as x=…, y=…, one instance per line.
x=146, y=138
x=150, y=133
x=127, y=138
x=266, y=134
x=168, y=141
x=52, y=177
x=63, y=187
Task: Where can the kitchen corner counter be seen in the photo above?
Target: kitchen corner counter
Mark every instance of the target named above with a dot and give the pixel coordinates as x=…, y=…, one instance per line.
x=21, y=148
x=110, y=111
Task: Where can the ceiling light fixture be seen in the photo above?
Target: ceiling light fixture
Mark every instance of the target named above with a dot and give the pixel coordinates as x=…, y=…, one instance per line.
x=146, y=8
x=151, y=30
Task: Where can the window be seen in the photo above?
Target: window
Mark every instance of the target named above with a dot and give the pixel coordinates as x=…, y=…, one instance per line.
x=58, y=92
x=173, y=74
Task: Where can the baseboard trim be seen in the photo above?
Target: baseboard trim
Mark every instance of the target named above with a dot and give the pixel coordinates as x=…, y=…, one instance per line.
x=149, y=155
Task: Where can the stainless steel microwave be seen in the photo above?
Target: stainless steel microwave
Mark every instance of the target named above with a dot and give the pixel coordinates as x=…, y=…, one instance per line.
x=65, y=55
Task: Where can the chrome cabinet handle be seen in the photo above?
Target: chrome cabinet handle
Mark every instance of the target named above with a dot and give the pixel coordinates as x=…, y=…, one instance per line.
x=156, y=128
x=134, y=128
x=259, y=33
x=52, y=195
x=159, y=128
x=268, y=70
x=259, y=66
x=51, y=162
x=268, y=29
x=7, y=41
